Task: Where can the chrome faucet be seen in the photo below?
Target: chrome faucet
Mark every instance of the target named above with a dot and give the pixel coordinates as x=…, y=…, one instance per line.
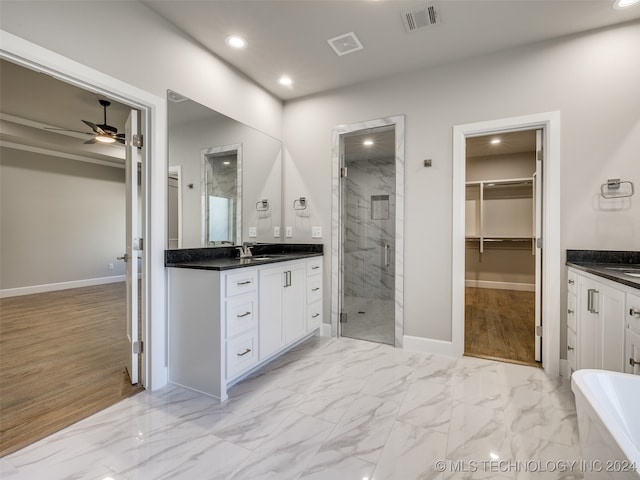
x=245, y=250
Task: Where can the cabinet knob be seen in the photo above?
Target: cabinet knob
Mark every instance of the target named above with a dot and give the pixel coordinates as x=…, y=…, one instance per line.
x=244, y=353
x=569, y=347
x=569, y=311
x=571, y=282
x=634, y=312
x=633, y=363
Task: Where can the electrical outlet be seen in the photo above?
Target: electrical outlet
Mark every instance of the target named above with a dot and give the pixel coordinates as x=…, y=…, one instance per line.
x=316, y=232
x=253, y=232
x=289, y=232
x=111, y=266
x=276, y=232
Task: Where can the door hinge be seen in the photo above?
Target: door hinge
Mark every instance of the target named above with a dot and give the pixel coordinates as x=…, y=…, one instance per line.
x=343, y=317
x=539, y=331
x=137, y=140
x=138, y=244
x=138, y=347
x=540, y=155
x=539, y=242
x=343, y=172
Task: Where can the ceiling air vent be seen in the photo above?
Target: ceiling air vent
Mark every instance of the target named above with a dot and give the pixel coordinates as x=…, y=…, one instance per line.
x=343, y=44
x=422, y=17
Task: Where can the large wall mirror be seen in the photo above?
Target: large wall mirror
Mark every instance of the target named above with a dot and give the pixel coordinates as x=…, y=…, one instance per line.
x=224, y=179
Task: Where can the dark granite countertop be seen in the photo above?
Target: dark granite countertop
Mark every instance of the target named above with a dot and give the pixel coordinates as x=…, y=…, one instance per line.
x=226, y=258
x=607, y=264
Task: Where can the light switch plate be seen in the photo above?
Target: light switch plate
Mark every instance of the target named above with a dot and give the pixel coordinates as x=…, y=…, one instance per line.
x=253, y=232
x=276, y=232
x=316, y=232
x=289, y=232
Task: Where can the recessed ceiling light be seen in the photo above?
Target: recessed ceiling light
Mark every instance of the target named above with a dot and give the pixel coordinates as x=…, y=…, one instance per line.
x=234, y=41
x=620, y=4
x=285, y=81
x=495, y=141
x=368, y=142
x=226, y=163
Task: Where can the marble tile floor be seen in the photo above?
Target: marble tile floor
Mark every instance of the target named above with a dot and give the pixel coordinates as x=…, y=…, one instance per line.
x=329, y=409
x=369, y=319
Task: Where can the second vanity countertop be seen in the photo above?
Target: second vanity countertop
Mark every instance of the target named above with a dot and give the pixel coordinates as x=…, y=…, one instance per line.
x=226, y=258
x=607, y=264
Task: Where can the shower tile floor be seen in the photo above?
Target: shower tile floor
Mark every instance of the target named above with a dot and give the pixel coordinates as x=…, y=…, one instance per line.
x=331, y=408
x=369, y=319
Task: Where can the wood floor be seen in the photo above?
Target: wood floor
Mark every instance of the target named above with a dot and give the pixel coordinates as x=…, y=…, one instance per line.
x=500, y=324
x=63, y=357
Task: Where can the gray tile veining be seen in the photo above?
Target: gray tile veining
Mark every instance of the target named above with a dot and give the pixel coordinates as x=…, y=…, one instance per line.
x=329, y=409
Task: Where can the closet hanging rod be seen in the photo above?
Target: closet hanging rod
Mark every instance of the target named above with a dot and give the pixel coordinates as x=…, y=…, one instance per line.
x=502, y=182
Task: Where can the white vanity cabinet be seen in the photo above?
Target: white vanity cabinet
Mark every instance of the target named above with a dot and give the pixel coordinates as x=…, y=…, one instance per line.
x=597, y=324
x=224, y=324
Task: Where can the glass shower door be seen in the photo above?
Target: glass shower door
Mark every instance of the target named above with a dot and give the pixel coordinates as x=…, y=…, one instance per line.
x=367, y=267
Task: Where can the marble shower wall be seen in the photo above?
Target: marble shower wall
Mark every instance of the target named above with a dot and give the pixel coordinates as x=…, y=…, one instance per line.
x=370, y=225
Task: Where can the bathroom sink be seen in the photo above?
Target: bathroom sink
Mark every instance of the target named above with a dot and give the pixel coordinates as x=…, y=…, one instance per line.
x=265, y=257
x=631, y=272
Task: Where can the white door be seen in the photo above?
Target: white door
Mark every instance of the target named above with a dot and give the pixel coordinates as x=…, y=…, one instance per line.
x=132, y=239
x=538, y=243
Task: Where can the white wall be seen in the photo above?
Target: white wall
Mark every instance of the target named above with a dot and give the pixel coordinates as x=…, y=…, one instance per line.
x=592, y=79
x=139, y=47
x=61, y=220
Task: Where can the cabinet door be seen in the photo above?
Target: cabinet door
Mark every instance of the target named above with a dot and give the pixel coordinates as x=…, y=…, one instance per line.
x=600, y=325
x=632, y=352
x=611, y=327
x=295, y=302
x=586, y=327
x=272, y=281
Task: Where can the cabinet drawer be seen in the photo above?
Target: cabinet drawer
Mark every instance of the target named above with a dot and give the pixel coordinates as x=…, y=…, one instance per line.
x=242, y=353
x=314, y=267
x=314, y=288
x=241, y=282
x=633, y=312
x=571, y=351
x=571, y=311
x=314, y=316
x=572, y=279
x=241, y=314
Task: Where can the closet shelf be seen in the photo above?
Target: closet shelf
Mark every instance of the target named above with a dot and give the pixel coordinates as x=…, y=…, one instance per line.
x=503, y=182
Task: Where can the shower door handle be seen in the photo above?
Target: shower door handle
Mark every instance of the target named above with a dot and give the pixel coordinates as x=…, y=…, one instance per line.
x=387, y=252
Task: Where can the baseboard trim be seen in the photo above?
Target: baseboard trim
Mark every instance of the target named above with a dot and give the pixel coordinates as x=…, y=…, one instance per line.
x=52, y=287
x=522, y=287
x=429, y=345
x=325, y=330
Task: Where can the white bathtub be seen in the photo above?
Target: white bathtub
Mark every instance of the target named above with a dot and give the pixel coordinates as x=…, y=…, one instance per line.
x=608, y=407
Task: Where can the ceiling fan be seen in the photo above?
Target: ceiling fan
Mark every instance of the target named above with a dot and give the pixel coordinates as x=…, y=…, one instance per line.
x=102, y=133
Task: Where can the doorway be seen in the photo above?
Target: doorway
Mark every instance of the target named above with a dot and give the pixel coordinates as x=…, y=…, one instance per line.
x=503, y=218
x=367, y=295
x=69, y=331
x=549, y=241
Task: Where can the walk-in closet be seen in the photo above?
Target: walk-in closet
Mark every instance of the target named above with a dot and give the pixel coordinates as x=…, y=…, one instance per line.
x=501, y=254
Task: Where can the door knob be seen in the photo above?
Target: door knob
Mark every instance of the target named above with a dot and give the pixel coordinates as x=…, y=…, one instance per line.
x=125, y=257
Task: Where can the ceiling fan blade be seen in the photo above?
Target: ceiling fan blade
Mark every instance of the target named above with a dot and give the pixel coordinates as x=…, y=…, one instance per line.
x=121, y=139
x=67, y=130
x=94, y=127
